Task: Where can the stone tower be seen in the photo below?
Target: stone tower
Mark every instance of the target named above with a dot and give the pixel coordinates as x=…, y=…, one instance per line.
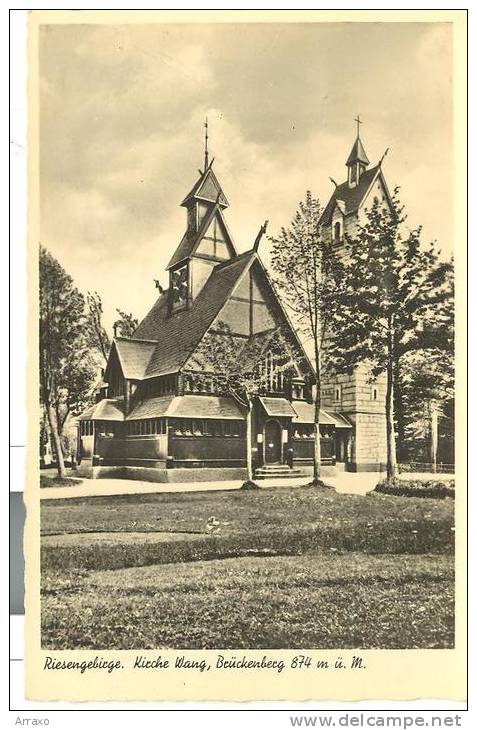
x=355, y=396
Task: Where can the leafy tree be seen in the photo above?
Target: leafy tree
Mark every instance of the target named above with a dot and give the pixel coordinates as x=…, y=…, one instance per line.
x=96, y=333
x=99, y=339
x=427, y=397
x=425, y=381
x=307, y=273
x=126, y=324
x=393, y=302
x=236, y=367
x=66, y=370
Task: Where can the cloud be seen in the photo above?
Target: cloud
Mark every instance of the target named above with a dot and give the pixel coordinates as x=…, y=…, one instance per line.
x=122, y=109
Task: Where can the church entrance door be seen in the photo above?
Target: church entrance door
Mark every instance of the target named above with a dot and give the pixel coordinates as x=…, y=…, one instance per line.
x=273, y=442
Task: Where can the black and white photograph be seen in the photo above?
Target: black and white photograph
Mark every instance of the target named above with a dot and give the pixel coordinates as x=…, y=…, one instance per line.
x=246, y=370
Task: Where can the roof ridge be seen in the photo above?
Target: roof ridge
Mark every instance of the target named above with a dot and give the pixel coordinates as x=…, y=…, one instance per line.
x=352, y=196
x=194, y=192
x=135, y=339
x=239, y=256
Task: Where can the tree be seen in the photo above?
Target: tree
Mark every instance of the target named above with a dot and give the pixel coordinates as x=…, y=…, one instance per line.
x=66, y=371
x=426, y=387
x=98, y=337
x=307, y=274
x=428, y=404
x=393, y=302
x=236, y=367
x=126, y=324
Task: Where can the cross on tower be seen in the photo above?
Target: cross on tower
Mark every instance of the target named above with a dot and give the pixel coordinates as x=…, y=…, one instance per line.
x=358, y=122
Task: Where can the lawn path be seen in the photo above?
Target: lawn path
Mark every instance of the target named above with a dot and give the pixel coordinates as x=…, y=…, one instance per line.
x=344, y=483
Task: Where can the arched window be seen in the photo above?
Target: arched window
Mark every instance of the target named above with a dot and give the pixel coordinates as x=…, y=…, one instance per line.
x=337, y=231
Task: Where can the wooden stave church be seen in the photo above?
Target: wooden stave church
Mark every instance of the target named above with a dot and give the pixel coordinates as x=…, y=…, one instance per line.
x=156, y=420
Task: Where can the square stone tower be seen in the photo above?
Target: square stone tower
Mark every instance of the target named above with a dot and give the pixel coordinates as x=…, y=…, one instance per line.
x=357, y=397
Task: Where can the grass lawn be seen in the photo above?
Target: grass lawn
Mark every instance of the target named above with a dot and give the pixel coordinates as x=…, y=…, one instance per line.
x=53, y=480
x=292, y=567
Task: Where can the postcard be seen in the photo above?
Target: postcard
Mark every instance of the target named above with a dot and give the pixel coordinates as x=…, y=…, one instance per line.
x=247, y=355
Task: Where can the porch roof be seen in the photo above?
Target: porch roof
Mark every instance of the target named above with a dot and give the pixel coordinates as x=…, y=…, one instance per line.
x=108, y=409
x=187, y=406
x=341, y=421
x=305, y=413
x=277, y=406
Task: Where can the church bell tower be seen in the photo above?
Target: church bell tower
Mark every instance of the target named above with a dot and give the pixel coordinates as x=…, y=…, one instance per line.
x=206, y=242
x=357, y=161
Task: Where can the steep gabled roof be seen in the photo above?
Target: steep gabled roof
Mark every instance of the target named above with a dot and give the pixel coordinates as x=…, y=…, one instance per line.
x=162, y=343
x=134, y=355
x=184, y=250
x=287, y=319
x=207, y=188
x=178, y=335
x=351, y=197
x=190, y=241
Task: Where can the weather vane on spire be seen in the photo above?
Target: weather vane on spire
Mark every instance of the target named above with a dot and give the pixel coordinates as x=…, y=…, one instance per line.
x=206, y=155
x=358, y=122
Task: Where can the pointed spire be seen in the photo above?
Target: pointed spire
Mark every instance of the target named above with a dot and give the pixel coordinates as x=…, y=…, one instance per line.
x=357, y=153
x=206, y=151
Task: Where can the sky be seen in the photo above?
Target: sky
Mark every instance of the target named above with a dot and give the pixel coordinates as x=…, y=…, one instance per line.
x=122, y=109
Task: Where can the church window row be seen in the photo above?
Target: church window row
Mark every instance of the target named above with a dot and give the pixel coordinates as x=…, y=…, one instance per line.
x=166, y=385
x=307, y=431
x=206, y=427
x=146, y=427
x=304, y=432
x=86, y=428
x=198, y=384
x=107, y=428
x=272, y=374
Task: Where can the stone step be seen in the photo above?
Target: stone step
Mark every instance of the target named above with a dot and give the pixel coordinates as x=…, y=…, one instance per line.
x=287, y=473
x=284, y=467
x=280, y=470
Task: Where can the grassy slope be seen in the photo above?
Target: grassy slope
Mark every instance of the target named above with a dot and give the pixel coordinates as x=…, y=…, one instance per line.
x=310, y=601
x=245, y=512
x=320, y=587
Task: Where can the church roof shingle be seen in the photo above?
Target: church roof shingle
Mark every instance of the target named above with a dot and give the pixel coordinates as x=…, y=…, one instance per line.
x=108, y=409
x=351, y=197
x=277, y=406
x=183, y=250
x=178, y=335
x=134, y=356
x=187, y=406
x=305, y=413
